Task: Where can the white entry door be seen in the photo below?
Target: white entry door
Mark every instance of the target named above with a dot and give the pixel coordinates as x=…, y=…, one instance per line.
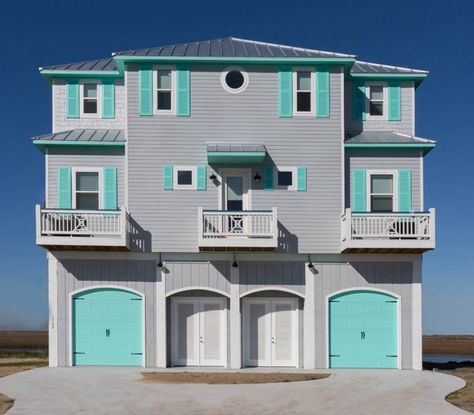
x=270, y=332
x=198, y=331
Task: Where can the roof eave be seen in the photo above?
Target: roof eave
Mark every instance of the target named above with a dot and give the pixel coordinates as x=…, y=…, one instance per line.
x=44, y=144
x=49, y=74
x=425, y=147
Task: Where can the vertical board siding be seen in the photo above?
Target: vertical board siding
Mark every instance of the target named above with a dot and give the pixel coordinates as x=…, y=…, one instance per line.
x=212, y=274
x=278, y=274
x=76, y=275
x=385, y=160
x=309, y=220
x=406, y=123
x=62, y=123
x=395, y=277
x=84, y=157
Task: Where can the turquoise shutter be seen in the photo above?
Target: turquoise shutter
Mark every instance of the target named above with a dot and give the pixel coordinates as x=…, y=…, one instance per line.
x=183, y=93
x=394, y=101
x=145, y=74
x=72, y=98
x=201, y=177
x=358, y=100
x=359, y=193
x=268, y=178
x=168, y=177
x=322, y=93
x=286, y=92
x=64, y=188
x=404, y=191
x=110, y=188
x=301, y=179
x=108, y=98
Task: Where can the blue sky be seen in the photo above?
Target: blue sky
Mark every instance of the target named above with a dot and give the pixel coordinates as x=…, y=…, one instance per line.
x=428, y=35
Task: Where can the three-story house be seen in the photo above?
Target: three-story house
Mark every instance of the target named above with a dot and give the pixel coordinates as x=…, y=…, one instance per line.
x=234, y=203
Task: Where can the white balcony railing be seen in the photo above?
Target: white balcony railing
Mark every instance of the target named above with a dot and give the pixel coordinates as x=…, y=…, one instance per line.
x=81, y=227
x=249, y=228
x=413, y=231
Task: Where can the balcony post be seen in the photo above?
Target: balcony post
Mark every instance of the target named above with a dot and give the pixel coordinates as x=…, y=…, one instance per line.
x=38, y=221
x=275, y=224
x=200, y=226
x=432, y=224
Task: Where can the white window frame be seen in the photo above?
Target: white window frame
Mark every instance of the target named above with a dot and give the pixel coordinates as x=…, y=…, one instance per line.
x=227, y=87
x=171, y=68
x=368, y=85
x=98, y=114
x=293, y=171
x=191, y=186
x=295, y=92
x=394, y=174
x=74, y=172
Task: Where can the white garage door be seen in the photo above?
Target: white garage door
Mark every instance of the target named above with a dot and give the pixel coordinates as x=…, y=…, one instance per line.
x=198, y=331
x=270, y=331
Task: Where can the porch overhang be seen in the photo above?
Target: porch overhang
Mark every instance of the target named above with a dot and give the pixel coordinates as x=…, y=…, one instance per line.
x=235, y=153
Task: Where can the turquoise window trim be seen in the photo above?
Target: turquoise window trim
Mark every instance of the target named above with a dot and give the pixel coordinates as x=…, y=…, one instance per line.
x=394, y=100
x=201, y=177
x=359, y=190
x=183, y=91
x=108, y=99
x=237, y=157
x=110, y=188
x=168, y=177
x=285, y=105
x=301, y=180
x=323, y=93
x=64, y=179
x=145, y=90
x=268, y=178
x=404, y=190
x=72, y=98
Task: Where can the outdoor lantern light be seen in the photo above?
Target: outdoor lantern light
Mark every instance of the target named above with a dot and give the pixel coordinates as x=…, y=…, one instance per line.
x=257, y=178
x=160, y=264
x=213, y=177
x=234, y=264
x=310, y=265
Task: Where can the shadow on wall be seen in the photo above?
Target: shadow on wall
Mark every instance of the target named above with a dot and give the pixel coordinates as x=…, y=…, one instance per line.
x=287, y=241
x=140, y=239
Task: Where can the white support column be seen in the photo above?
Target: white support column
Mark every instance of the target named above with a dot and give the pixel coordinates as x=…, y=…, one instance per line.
x=309, y=321
x=417, y=322
x=235, y=320
x=53, y=310
x=161, y=337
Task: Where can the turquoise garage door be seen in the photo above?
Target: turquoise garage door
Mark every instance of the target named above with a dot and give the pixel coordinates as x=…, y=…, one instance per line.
x=107, y=328
x=363, y=330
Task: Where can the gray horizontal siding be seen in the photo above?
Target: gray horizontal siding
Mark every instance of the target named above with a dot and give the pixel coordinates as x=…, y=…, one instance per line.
x=76, y=275
x=387, y=160
x=396, y=277
x=259, y=274
x=62, y=123
x=83, y=157
x=311, y=220
x=182, y=275
x=406, y=125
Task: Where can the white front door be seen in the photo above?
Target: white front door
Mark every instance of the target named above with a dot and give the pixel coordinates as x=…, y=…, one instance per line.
x=270, y=332
x=198, y=331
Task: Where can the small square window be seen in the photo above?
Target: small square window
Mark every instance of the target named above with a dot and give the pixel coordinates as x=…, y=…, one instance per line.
x=285, y=178
x=185, y=177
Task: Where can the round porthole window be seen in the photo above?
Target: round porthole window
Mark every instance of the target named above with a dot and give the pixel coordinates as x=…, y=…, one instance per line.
x=234, y=80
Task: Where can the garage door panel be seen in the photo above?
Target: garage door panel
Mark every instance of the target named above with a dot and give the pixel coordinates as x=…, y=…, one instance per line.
x=107, y=329
x=363, y=330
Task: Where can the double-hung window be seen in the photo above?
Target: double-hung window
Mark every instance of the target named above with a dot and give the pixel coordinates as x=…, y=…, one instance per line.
x=86, y=186
x=90, y=98
x=164, y=90
x=303, y=95
x=382, y=192
x=376, y=100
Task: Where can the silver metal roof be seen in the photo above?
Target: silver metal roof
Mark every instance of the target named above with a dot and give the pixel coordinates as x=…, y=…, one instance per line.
x=105, y=64
x=384, y=137
x=232, y=47
x=360, y=67
x=235, y=147
x=109, y=136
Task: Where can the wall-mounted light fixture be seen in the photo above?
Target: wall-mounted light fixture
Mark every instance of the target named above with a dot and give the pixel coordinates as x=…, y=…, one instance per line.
x=257, y=178
x=235, y=264
x=310, y=263
x=213, y=177
x=160, y=264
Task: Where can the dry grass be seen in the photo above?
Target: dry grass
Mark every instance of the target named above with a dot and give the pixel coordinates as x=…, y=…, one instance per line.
x=230, y=378
x=11, y=365
x=462, y=345
x=23, y=340
x=463, y=398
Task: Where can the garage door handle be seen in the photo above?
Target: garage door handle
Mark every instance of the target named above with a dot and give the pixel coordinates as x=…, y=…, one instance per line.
x=392, y=355
x=107, y=332
x=137, y=353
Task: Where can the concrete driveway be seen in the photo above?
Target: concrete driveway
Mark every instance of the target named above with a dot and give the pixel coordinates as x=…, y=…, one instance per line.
x=119, y=391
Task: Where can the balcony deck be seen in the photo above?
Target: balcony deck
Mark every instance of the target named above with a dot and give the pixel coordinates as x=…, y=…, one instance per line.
x=70, y=229
x=388, y=232
x=243, y=230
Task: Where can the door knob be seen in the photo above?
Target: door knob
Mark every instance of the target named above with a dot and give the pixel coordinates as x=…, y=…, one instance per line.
x=362, y=335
